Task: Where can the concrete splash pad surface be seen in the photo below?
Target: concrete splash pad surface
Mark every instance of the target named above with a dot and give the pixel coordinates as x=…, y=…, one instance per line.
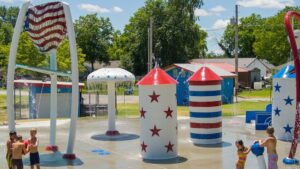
x=96, y=154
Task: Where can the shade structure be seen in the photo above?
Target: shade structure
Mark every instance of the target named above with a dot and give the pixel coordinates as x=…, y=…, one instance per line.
x=205, y=107
x=110, y=76
x=158, y=115
x=284, y=103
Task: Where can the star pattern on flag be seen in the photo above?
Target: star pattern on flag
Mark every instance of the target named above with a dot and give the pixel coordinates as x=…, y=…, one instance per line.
x=155, y=131
x=154, y=97
x=277, y=111
x=288, y=128
x=277, y=87
x=169, y=147
x=168, y=113
x=288, y=100
x=144, y=146
x=142, y=111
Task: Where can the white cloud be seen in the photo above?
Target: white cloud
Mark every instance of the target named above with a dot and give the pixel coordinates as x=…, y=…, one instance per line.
x=213, y=11
x=93, y=8
x=265, y=3
x=220, y=24
x=201, y=12
x=7, y=1
x=218, y=9
x=117, y=9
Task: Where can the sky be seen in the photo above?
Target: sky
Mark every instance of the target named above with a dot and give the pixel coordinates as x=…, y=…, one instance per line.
x=214, y=14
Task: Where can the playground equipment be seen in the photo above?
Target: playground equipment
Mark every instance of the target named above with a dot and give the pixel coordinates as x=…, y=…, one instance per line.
x=46, y=34
x=284, y=106
x=205, y=107
x=158, y=120
x=259, y=153
x=262, y=119
x=110, y=76
x=292, y=38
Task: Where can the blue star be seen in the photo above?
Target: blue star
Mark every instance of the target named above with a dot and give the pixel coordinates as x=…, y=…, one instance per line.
x=277, y=88
x=288, y=100
x=287, y=128
x=277, y=111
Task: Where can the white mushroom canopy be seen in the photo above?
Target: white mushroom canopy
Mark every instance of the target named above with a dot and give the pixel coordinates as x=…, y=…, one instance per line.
x=110, y=75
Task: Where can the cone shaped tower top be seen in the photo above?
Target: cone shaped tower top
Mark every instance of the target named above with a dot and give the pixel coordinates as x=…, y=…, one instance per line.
x=204, y=74
x=157, y=76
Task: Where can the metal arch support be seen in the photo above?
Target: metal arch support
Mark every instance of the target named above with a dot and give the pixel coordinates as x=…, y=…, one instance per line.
x=75, y=82
x=11, y=66
x=290, y=159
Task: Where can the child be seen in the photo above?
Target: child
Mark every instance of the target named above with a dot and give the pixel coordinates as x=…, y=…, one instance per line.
x=270, y=142
x=12, y=138
x=18, y=150
x=33, y=149
x=242, y=154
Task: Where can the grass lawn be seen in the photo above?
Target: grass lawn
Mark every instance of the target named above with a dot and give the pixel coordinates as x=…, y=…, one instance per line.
x=264, y=93
x=119, y=90
x=131, y=110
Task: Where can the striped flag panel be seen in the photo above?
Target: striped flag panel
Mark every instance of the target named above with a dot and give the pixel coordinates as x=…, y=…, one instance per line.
x=46, y=25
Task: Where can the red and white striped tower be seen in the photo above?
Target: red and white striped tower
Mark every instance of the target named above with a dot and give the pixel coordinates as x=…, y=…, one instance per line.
x=205, y=107
x=157, y=97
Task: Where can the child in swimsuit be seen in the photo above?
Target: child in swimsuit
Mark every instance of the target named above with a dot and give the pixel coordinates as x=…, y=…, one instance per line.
x=12, y=139
x=242, y=153
x=270, y=142
x=33, y=149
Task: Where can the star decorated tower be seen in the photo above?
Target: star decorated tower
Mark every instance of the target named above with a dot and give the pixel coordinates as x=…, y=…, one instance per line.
x=284, y=103
x=158, y=115
x=205, y=107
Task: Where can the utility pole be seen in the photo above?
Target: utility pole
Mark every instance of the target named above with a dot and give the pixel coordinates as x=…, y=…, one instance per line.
x=150, y=45
x=236, y=52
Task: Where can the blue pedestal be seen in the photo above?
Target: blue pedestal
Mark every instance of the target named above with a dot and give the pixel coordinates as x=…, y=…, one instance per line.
x=290, y=161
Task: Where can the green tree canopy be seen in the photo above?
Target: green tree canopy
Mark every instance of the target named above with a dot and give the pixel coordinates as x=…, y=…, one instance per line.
x=247, y=26
x=264, y=38
x=176, y=36
x=271, y=38
x=94, y=36
x=29, y=55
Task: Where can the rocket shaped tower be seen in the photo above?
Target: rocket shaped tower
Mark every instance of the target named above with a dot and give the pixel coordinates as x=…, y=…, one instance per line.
x=158, y=115
x=205, y=107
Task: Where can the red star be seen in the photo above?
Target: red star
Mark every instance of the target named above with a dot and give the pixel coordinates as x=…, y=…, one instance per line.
x=168, y=112
x=155, y=131
x=169, y=147
x=142, y=113
x=154, y=97
x=144, y=146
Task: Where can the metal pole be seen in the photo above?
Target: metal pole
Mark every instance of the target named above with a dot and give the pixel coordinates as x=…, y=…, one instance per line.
x=53, y=102
x=151, y=45
x=236, y=53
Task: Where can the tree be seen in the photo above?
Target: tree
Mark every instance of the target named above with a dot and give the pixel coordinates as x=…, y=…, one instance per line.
x=64, y=57
x=271, y=38
x=94, y=36
x=176, y=36
x=115, y=50
x=247, y=26
x=29, y=55
x=9, y=15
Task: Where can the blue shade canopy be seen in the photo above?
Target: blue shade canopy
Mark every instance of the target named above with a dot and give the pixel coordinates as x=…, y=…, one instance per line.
x=286, y=72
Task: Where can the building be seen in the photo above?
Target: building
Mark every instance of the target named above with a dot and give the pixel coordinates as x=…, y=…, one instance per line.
x=258, y=67
x=182, y=72
x=39, y=98
x=244, y=75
